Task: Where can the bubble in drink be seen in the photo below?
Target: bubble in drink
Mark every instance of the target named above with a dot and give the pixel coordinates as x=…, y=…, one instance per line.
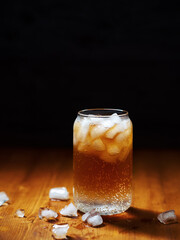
x=102, y=161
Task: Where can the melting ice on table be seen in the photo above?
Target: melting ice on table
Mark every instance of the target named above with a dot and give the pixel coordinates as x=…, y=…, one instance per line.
x=69, y=210
x=167, y=217
x=3, y=198
x=47, y=214
x=92, y=218
x=59, y=193
x=60, y=230
x=20, y=213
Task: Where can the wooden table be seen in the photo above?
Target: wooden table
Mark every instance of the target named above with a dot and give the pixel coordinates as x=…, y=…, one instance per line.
x=26, y=175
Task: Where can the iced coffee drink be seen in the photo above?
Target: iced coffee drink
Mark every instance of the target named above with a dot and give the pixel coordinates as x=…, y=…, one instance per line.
x=102, y=161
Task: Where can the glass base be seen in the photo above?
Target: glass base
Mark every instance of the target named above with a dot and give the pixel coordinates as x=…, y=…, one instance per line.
x=104, y=209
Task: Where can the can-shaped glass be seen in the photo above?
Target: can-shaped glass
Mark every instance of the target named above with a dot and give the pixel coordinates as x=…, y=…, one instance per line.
x=102, y=160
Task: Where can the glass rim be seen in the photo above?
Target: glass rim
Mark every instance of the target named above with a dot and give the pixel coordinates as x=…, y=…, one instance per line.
x=102, y=112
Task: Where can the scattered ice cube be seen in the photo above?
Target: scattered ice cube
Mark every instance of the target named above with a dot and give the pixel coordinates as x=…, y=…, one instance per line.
x=60, y=230
x=98, y=145
x=85, y=216
x=95, y=220
x=92, y=218
x=59, y=193
x=47, y=213
x=3, y=198
x=20, y=213
x=167, y=217
x=69, y=211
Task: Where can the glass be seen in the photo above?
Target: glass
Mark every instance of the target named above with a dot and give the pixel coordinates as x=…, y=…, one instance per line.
x=102, y=160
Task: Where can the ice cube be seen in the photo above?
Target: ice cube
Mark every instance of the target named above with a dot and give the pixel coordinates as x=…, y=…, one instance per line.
x=75, y=141
x=60, y=230
x=69, y=210
x=102, y=127
x=75, y=131
x=167, y=217
x=87, y=214
x=98, y=145
x=47, y=214
x=115, y=118
x=97, y=131
x=94, y=120
x=105, y=122
x=113, y=131
x=92, y=218
x=113, y=149
x=59, y=193
x=125, y=124
x=95, y=220
x=83, y=146
x=83, y=129
x=120, y=137
x=123, y=136
x=3, y=198
x=20, y=213
x=124, y=153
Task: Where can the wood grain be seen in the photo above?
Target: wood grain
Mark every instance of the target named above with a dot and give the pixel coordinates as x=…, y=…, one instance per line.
x=26, y=175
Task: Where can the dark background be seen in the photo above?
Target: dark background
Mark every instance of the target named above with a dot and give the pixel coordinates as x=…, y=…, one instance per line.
x=58, y=57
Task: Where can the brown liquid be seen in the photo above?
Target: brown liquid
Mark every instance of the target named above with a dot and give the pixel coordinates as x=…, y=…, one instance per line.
x=98, y=180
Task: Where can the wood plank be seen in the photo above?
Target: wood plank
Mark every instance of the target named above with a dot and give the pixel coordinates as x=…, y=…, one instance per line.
x=26, y=175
